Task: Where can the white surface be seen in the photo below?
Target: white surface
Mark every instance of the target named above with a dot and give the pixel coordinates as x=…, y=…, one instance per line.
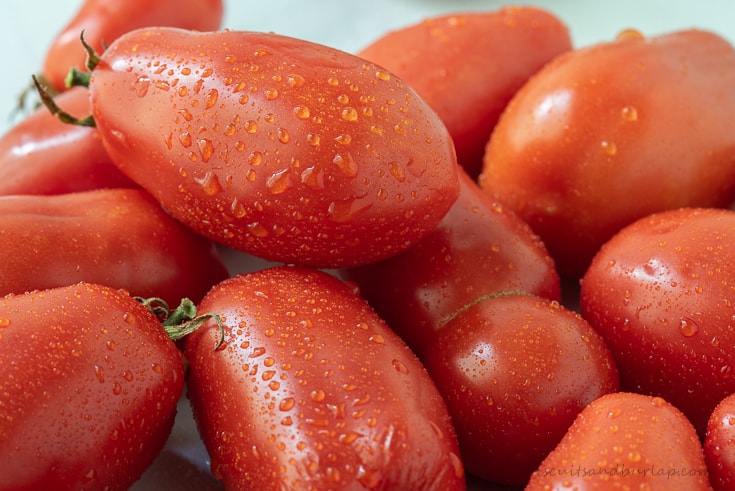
x=27, y=27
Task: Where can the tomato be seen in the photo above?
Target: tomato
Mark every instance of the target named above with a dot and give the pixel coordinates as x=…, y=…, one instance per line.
x=89, y=383
x=719, y=445
x=103, y=21
x=608, y=134
x=660, y=293
x=515, y=370
x=479, y=248
x=275, y=146
x=626, y=441
x=41, y=155
x=312, y=390
x=467, y=66
x=120, y=238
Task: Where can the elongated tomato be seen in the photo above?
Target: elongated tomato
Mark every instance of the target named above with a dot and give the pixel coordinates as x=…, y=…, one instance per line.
x=89, y=383
x=313, y=391
x=275, y=146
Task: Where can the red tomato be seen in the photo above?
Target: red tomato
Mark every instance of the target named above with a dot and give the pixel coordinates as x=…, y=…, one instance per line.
x=479, y=248
x=103, y=21
x=120, y=238
x=313, y=391
x=89, y=383
x=467, y=66
x=41, y=155
x=719, y=445
x=515, y=370
x=626, y=441
x=660, y=293
x=275, y=146
x=608, y=134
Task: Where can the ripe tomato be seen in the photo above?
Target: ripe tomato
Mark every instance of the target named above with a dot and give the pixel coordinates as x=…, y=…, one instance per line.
x=626, y=441
x=467, y=66
x=275, y=146
x=479, y=248
x=103, y=21
x=89, y=383
x=312, y=390
x=719, y=445
x=41, y=155
x=515, y=370
x=604, y=135
x=120, y=238
x=660, y=293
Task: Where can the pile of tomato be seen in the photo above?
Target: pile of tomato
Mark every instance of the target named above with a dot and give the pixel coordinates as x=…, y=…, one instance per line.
x=498, y=261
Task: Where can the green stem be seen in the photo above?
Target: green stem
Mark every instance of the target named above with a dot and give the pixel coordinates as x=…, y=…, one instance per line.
x=48, y=100
x=182, y=321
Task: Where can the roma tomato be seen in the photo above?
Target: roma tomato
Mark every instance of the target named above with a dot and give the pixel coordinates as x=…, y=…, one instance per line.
x=120, y=238
x=515, y=370
x=41, y=155
x=89, y=383
x=626, y=441
x=103, y=21
x=719, y=445
x=467, y=66
x=275, y=146
x=595, y=140
x=312, y=390
x=479, y=248
x=660, y=293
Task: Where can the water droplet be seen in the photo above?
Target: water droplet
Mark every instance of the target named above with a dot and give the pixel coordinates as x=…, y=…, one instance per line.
x=634, y=456
x=629, y=34
x=206, y=149
x=99, y=372
x=349, y=114
x=344, y=210
x=157, y=368
x=397, y=171
x=283, y=135
x=399, y=366
x=313, y=139
x=142, y=85
x=687, y=327
x=210, y=183
x=317, y=395
x=302, y=112
x=116, y=388
x=271, y=94
x=333, y=81
x=258, y=351
x=313, y=177
x=287, y=404
x=250, y=126
x=211, y=98
x=344, y=139
x=346, y=164
x=629, y=114
x=279, y=182
x=377, y=338
x=257, y=229
x=4, y=322
x=609, y=148
x=295, y=80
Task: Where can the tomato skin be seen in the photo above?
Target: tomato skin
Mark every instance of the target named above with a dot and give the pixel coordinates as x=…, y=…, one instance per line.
x=313, y=390
x=275, y=146
x=594, y=141
x=718, y=446
x=103, y=21
x=479, y=248
x=120, y=238
x=658, y=292
x=626, y=440
x=515, y=370
x=467, y=66
x=42, y=155
x=89, y=382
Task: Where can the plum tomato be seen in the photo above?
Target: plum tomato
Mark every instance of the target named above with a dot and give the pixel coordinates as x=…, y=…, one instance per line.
x=660, y=293
x=467, y=66
x=89, y=385
x=120, y=238
x=312, y=390
x=42, y=155
x=103, y=21
x=515, y=370
x=719, y=445
x=626, y=440
x=609, y=133
x=479, y=248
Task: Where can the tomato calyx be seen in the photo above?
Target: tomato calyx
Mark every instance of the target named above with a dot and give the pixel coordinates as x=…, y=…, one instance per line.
x=489, y=296
x=183, y=320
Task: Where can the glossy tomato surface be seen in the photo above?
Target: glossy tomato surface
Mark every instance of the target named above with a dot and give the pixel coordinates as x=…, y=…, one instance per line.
x=120, y=238
x=275, y=146
x=660, y=293
x=42, y=155
x=468, y=65
x=89, y=383
x=607, y=134
x=515, y=371
x=719, y=445
x=103, y=21
x=312, y=390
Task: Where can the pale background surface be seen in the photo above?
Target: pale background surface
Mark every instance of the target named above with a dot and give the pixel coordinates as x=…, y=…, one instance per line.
x=27, y=27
